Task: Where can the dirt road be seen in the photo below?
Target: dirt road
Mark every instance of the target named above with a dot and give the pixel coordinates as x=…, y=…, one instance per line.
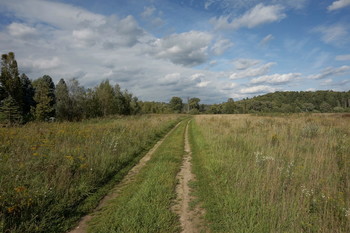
x=82, y=226
x=190, y=218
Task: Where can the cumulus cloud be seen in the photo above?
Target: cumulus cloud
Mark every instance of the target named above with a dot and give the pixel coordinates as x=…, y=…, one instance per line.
x=330, y=72
x=276, y=79
x=338, y=5
x=221, y=46
x=337, y=33
x=188, y=48
x=252, y=72
x=243, y=63
x=258, y=15
x=344, y=57
x=260, y=89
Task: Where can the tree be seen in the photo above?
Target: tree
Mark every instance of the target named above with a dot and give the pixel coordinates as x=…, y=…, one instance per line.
x=9, y=111
x=44, y=98
x=77, y=99
x=63, y=101
x=194, y=103
x=10, y=80
x=106, y=98
x=229, y=106
x=176, y=104
x=28, y=96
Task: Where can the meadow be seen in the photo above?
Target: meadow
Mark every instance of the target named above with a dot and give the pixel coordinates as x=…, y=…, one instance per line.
x=273, y=174
x=53, y=173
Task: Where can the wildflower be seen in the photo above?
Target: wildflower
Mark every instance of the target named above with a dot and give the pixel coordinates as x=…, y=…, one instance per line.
x=10, y=209
x=69, y=157
x=347, y=212
x=19, y=189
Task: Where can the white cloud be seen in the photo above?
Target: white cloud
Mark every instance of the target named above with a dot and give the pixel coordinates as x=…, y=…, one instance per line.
x=344, y=57
x=276, y=79
x=266, y=39
x=221, y=46
x=21, y=30
x=243, y=63
x=229, y=86
x=60, y=15
x=188, y=48
x=253, y=72
x=330, y=72
x=260, y=89
x=256, y=16
x=338, y=4
x=337, y=33
x=41, y=64
x=149, y=11
x=203, y=84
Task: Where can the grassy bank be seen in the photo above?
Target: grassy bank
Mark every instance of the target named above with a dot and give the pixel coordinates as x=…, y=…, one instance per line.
x=273, y=174
x=144, y=205
x=51, y=174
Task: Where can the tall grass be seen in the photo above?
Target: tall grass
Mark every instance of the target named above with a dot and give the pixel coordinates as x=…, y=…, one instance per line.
x=52, y=173
x=266, y=174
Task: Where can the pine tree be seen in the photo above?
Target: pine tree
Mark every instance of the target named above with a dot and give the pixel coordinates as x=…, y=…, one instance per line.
x=44, y=98
x=10, y=80
x=9, y=111
x=63, y=101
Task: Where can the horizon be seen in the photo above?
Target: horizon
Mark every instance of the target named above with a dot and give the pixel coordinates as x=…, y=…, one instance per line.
x=211, y=49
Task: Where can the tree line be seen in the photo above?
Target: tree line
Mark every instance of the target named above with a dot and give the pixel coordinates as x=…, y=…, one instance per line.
x=23, y=100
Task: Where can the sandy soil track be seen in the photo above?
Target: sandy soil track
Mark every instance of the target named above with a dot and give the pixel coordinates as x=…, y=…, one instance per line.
x=190, y=218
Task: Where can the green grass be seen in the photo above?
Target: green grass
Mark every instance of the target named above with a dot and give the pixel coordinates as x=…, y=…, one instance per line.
x=53, y=173
x=145, y=204
x=273, y=174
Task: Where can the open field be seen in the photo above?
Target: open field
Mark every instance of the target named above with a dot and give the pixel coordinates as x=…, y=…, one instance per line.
x=273, y=174
x=251, y=174
x=52, y=174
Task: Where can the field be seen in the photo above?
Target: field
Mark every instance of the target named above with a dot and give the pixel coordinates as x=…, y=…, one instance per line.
x=252, y=173
x=273, y=174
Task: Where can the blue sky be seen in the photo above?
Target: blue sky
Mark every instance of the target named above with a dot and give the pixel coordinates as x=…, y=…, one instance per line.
x=210, y=49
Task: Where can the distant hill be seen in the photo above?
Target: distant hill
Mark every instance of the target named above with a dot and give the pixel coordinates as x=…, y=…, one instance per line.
x=286, y=102
x=297, y=101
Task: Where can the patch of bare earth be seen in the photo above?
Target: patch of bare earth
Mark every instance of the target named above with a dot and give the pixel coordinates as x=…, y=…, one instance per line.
x=191, y=219
x=83, y=223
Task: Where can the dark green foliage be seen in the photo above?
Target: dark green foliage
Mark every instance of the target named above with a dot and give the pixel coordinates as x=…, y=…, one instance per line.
x=63, y=101
x=44, y=98
x=194, y=103
x=9, y=111
x=176, y=104
x=28, y=96
x=10, y=80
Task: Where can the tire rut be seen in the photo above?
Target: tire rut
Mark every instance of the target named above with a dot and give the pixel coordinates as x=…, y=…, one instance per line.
x=191, y=219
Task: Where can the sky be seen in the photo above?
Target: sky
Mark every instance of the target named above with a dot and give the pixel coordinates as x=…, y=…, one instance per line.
x=157, y=49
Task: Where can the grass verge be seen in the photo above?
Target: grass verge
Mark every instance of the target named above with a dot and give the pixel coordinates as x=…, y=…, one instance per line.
x=144, y=205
